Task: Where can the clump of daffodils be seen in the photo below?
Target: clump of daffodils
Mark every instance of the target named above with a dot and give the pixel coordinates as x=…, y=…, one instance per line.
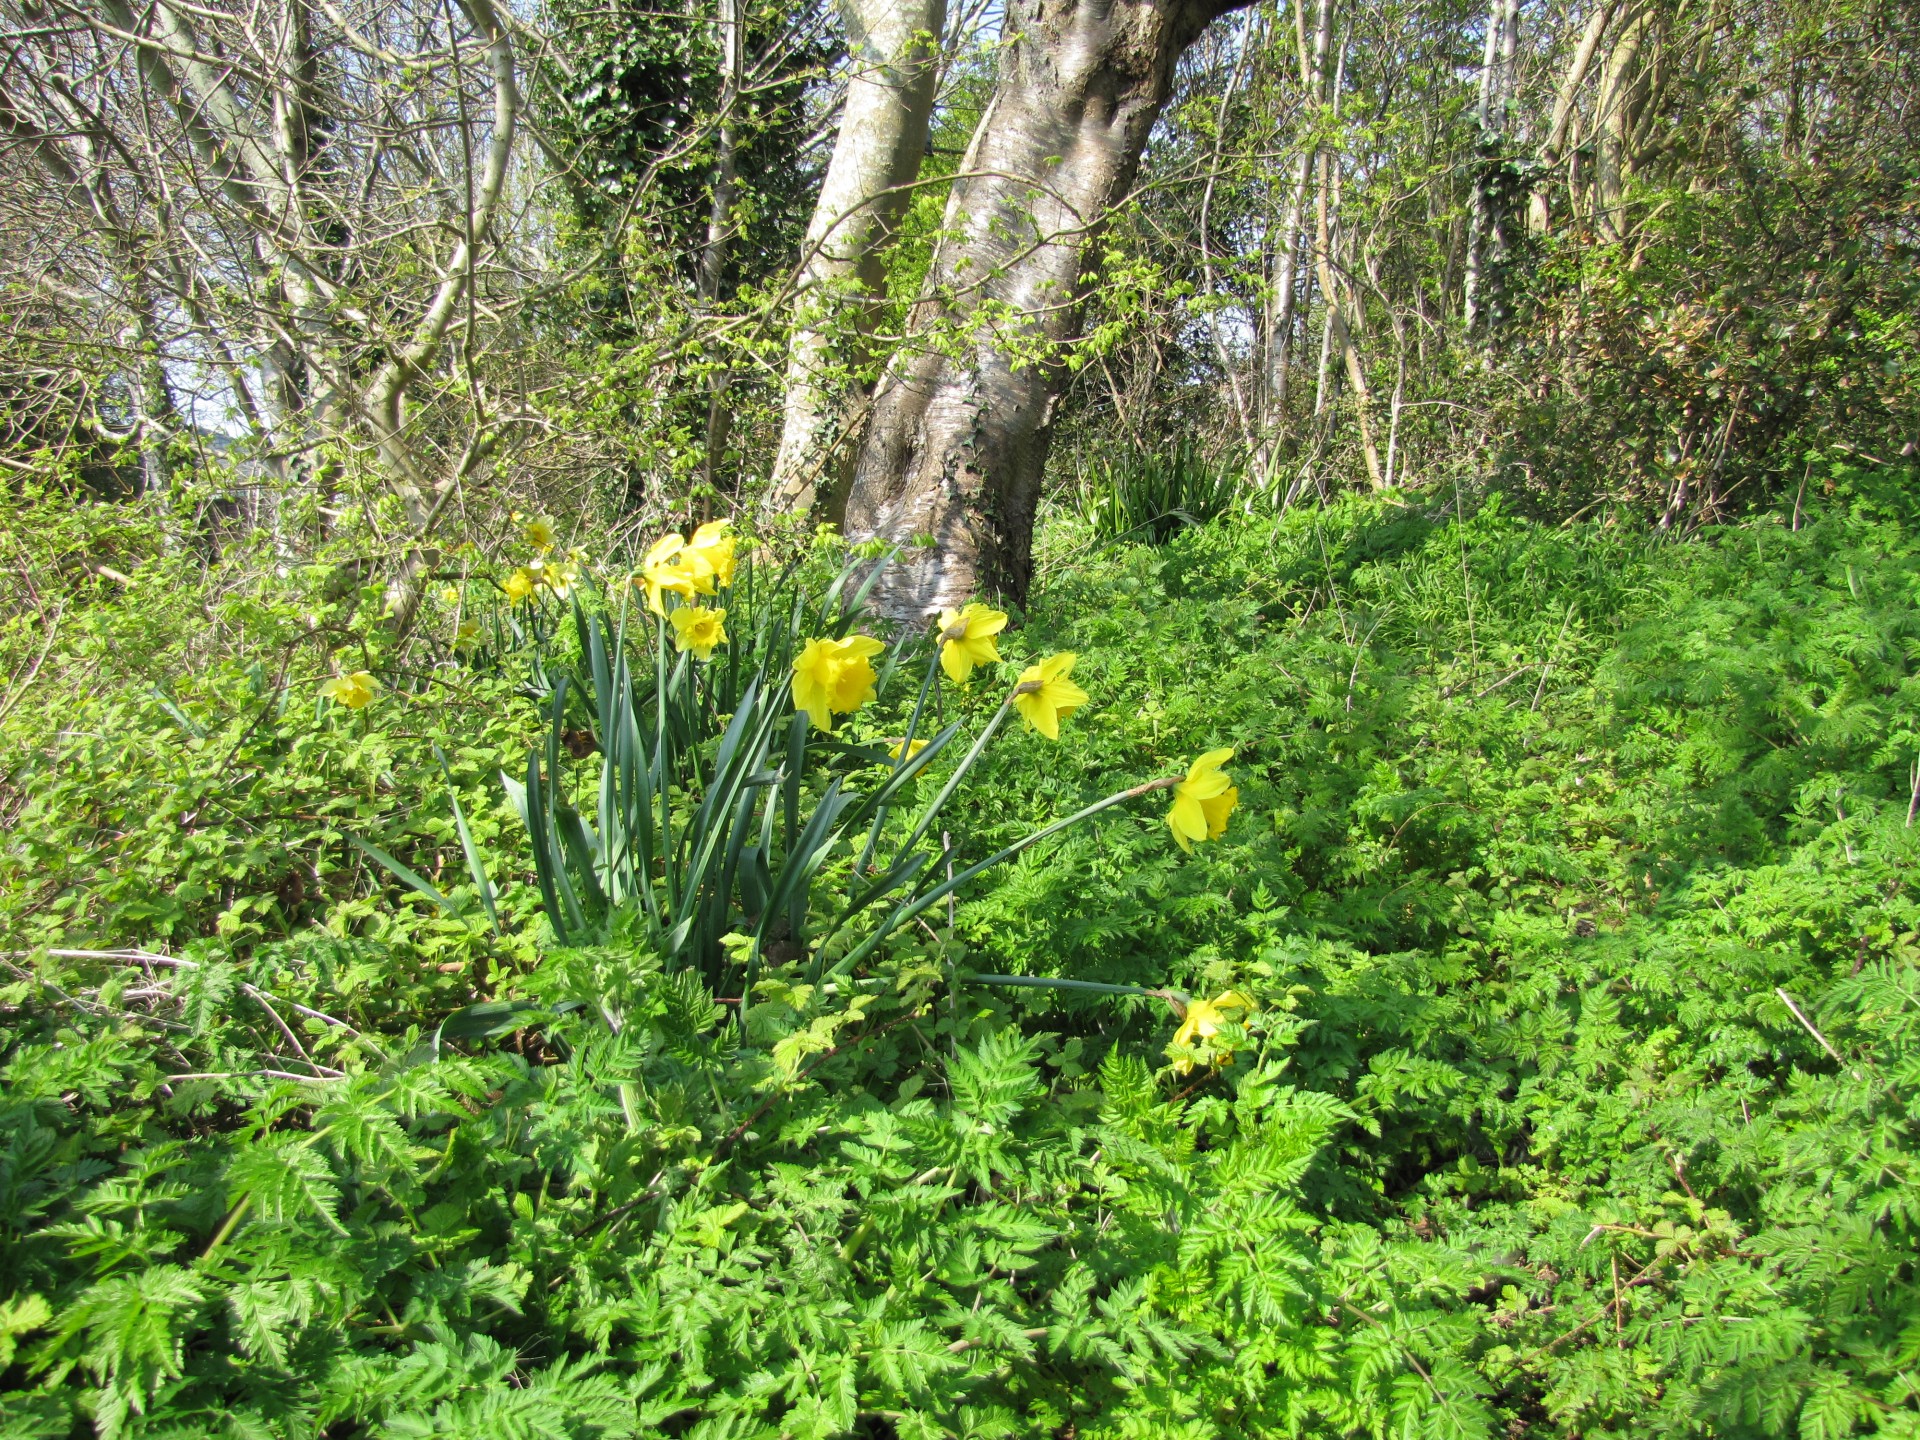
x=688, y=566
x=547, y=569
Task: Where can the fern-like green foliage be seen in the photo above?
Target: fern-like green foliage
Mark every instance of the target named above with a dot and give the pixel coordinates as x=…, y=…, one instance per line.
x=1573, y=879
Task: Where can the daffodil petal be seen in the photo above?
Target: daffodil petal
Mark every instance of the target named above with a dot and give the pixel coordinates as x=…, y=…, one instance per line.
x=1186, y=819
x=1211, y=761
x=1038, y=714
x=1206, y=786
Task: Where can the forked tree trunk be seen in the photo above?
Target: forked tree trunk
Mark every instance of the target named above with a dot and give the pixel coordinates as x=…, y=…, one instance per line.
x=1566, y=111
x=895, y=46
x=962, y=420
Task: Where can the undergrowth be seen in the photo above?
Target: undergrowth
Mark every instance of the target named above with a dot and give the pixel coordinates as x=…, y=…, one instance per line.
x=1571, y=879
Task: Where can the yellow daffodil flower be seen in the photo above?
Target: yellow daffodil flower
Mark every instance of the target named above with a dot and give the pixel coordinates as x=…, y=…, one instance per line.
x=355, y=691
x=541, y=536
x=834, y=677
x=519, y=586
x=1044, y=694
x=561, y=576
x=967, y=639
x=1205, y=1019
x=711, y=548
x=666, y=569
x=467, y=634
x=917, y=747
x=1202, y=801
x=698, y=629
x=449, y=595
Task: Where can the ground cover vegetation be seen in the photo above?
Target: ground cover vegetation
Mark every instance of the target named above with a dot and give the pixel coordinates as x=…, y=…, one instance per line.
x=1548, y=1010
x=1126, y=718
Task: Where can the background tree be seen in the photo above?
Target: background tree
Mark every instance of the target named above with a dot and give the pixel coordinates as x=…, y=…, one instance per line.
x=962, y=423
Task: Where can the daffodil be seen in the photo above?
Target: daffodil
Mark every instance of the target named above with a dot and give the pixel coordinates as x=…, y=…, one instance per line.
x=1202, y=801
x=664, y=571
x=355, y=691
x=449, y=595
x=1044, y=694
x=912, y=750
x=561, y=576
x=540, y=535
x=1205, y=1019
x=698, y=629
x=967, y=639
x=710, y=548
x=519, y=585
x=834, y=677
x=467, y=634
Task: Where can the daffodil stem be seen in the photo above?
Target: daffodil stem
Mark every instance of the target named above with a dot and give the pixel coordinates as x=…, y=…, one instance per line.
x=906, y=754
x=1047, y=982
x=953, y=781
x=939, y=892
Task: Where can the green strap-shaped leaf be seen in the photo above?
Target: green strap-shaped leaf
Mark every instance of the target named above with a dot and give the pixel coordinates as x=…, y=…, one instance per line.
x=404, y=875
x=474, y=868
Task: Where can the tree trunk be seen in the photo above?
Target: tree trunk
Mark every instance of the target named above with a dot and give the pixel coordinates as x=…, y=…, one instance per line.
x=1284, y=277
x=1614, y=115
x=1229, y=366
x=1484, y=240
x=883, y=135
x=1339, y=330
x=1279, y=327
x=963, y=419
x=1566, y=110
x=720, y=222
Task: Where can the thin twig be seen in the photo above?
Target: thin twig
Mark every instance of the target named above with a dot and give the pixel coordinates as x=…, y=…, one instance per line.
x=1807, y=1025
